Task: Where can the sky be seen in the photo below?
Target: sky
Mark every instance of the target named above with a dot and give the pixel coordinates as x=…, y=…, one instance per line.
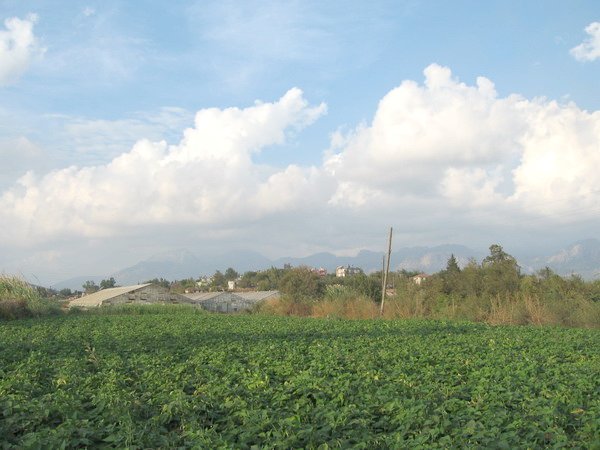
x=128, y=129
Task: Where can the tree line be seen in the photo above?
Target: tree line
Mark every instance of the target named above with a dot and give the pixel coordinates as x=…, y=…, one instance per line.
x=494, y=290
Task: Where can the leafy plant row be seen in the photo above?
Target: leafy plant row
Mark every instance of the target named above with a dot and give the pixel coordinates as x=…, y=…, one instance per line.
x=181, y=379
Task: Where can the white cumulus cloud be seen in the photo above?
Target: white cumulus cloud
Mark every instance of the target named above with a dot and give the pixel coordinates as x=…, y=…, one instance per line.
x=208, y=178
x=18, y=46
x=441, y=160
x=589, y=49
x=464, y=146
x=17, y=156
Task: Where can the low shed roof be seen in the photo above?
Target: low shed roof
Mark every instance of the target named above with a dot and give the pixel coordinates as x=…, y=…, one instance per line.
x=201, y=296
x=97, y=298
x=251, y=296
x=257, y=296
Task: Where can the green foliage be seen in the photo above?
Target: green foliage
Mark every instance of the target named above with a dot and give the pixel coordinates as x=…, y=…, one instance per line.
x=501, y=273
x=18, y=299
x=15, y=288
x=496, y=292
x=264, y=280
x=498, y=256
x=89, y=287
x=160, y=281
x=452, y=265
x=360, y=285
x=181, y=379
x=107, y=284
x=219, y=282
x=65, y=293
x=451, y=276
x=133, y=309
x=301, y=283
x=181, y=286
x=231, y=274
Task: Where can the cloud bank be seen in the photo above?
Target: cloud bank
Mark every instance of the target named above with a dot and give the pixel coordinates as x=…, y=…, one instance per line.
x=18, y=46
x=443, y=159
x=589, y=50
x=463, y=146
x=208, y=178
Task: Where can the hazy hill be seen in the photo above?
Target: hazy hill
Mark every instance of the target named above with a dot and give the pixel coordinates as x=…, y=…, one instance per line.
x=582, y=257
x=179, y=264
x=76, y=283
x=184, y=264
x=427, y=259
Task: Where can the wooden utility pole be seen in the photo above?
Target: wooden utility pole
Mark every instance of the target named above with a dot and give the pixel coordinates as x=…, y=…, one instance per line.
x=382, y=271
x=387, y=270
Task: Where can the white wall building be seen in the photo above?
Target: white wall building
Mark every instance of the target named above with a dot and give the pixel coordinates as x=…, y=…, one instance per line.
x=347, y=271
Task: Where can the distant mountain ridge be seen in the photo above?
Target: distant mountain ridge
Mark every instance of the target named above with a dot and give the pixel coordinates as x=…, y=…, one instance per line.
x=431, y=259
x=76, y=282
x=179, y=264
x=582, y=257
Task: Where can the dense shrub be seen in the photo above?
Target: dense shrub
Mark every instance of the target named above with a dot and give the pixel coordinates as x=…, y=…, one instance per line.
x=360, y=284
x=493, y=291
x=302, y=283
x=14, y=309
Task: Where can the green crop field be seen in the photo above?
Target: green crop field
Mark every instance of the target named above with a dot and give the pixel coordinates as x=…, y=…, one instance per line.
x=185, y=379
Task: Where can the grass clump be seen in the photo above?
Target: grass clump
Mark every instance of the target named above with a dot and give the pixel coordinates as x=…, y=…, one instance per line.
x=18, y=299
x=141, y=309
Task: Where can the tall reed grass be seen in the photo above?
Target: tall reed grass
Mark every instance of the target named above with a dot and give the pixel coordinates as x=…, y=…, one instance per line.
x=139, y=309
x=18, y=299
x=510, y=309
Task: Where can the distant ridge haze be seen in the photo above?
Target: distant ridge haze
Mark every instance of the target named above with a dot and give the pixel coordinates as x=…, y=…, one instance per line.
x=581, y=257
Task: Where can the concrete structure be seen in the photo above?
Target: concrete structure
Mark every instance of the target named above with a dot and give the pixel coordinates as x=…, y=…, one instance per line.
x=138, y=294
x=230, y=302
x=347, y=271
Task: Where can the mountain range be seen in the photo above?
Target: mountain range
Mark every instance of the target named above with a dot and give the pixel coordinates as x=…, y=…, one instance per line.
x=582, y=257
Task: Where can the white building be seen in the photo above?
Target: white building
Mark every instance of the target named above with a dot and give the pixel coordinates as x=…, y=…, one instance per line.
x=347, y=271
x=418, y=279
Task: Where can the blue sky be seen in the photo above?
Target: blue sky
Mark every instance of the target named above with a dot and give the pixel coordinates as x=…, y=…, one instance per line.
x=93, y=80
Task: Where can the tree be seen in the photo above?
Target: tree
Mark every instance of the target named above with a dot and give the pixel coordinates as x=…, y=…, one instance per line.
x=231, y=274
x=451, y=276
x=501, y=273
x=89, y=287
x=106, y=284
x=218, y=280
x=65, y=293
x=248, y=280
x=498, y=256
x=471, y=280
x=183, y=286
x=160, y=281
x=302, y=283
x=270, y=279
x=452, y=265
x=365, y=285
x=546, y=273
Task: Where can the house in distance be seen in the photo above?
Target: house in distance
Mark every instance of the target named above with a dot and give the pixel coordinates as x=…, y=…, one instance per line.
x=420, y=278
x=347, y=271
